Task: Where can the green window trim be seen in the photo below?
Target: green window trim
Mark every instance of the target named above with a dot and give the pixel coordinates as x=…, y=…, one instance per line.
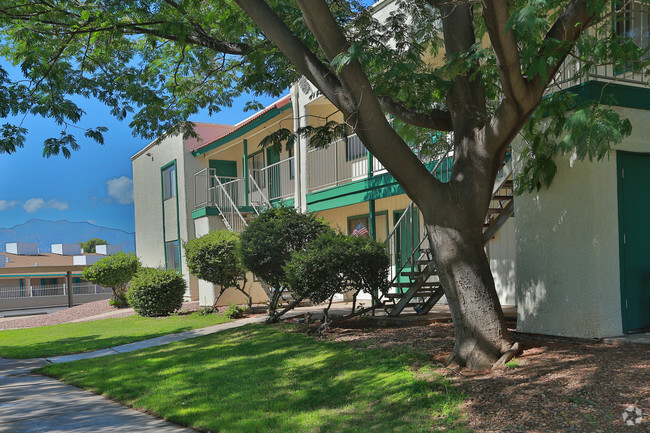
x=178, y=221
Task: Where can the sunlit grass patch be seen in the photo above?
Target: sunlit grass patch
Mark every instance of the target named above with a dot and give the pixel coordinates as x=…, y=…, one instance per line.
x=259, y=379
x=80, y=337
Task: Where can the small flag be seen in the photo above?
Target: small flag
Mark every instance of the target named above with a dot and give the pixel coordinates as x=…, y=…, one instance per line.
x=360, y=230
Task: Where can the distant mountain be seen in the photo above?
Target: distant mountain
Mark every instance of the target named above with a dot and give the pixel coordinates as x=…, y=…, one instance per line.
x=45, y=233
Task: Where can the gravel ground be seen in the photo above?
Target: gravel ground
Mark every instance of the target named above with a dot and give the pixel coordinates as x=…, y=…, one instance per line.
x=556, y=384
x=84, y=312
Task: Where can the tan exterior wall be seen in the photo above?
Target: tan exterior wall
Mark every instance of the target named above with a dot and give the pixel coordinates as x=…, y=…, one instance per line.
x=568, y=280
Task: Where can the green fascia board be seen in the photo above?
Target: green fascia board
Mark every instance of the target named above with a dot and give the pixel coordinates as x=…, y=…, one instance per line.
x=372, y=188
x=621, y=95
x=273, y=112
x=205, y=211
x=278, y=202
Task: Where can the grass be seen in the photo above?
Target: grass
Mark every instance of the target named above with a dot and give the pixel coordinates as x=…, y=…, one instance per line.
x=80, y=337
x=261, y=379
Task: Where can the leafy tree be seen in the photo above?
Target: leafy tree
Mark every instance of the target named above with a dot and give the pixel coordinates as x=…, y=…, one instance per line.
x=336, y=263
x=156, y=292
x=89, y=245
x=269, y=240
x=164, y=59
x=216, y=258
x=115, y=272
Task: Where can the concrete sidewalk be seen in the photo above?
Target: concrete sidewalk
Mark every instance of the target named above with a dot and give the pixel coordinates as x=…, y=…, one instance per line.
x=33, y=403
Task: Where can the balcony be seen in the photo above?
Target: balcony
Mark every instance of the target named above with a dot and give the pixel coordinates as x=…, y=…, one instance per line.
x=634, y=24
x=343, y=161
x=275, y=182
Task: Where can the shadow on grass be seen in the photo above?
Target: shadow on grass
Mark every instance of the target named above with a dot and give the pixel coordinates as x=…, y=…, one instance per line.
x=260, y=379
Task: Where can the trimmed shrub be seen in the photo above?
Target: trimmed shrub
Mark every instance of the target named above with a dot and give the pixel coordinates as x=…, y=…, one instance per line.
x=215, y=258
x=234, y=311
x=114, y=271
x=270, y=239
x=156, y=292
x=336, y=263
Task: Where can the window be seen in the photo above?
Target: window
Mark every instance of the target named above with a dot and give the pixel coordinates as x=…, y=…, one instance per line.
x=634, y=23
x=354, y=148
x=169, y=182
x=359, y=226
x=255, y=164
x=172, y=253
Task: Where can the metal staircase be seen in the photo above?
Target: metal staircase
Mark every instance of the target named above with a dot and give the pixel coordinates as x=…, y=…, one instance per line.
x=414, y=280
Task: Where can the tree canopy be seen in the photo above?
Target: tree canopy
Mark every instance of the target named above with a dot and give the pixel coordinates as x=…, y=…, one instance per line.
x=475, y=74
x=90, y=244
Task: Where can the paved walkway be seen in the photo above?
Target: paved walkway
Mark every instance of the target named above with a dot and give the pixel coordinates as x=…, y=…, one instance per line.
x=34, y=403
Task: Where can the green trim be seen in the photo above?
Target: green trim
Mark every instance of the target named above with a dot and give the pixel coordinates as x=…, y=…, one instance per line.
x=621, y=247
x=178, y=220
x=178, y=227
x=370, y=166
x=162, y=201
x=359, y=191
x=621, y=95
x=269, y=115
x=245, y=169
x=371, y=219
x=205, y=211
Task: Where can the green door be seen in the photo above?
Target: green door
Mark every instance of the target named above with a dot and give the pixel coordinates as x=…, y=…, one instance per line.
x=406, y=238
x=634, y=221
x=224, y=169
x=272, y=156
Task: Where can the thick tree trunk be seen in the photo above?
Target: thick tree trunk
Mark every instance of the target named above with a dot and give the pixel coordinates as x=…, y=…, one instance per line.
x=481, y=336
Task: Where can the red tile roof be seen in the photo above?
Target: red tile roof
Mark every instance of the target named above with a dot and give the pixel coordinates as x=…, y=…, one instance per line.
x=280, y=103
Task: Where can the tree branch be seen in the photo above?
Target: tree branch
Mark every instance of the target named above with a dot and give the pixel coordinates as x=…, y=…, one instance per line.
x=366, y=115
x=303, y=59
x=568, y=27
x=496, y=16
x=466, y=98
x=508, y=119
x=439, y=120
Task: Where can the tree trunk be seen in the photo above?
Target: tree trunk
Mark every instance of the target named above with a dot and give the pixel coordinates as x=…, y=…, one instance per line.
x=481, y=336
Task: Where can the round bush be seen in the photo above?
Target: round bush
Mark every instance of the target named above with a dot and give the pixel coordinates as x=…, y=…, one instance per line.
x=114, y=271
x=154, y=292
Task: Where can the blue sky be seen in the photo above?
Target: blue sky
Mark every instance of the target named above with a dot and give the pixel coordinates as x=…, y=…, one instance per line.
x=94, y=185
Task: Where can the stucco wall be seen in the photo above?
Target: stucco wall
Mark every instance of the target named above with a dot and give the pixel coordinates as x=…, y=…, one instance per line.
x=568, y=279
x=501, y=254
x=147, y=191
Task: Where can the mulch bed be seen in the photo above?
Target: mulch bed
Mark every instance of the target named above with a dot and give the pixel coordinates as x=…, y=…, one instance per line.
x=555, y=384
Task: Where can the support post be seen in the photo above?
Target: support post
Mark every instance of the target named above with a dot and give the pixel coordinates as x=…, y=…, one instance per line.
x=68, y=283
x=246, y=179
x=371, y=219
x=28, y=282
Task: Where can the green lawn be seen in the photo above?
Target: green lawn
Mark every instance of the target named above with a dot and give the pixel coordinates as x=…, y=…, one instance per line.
x=98, y=334
x=260, y=379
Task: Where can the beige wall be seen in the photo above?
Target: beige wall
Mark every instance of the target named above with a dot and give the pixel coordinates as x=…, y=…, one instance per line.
x=567, y=237
x=568, y=280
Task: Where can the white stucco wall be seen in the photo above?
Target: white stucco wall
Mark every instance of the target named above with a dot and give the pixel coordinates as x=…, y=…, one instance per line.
x=567, y=240
x=568, y=280
x=501, y=254
x=147, y=189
